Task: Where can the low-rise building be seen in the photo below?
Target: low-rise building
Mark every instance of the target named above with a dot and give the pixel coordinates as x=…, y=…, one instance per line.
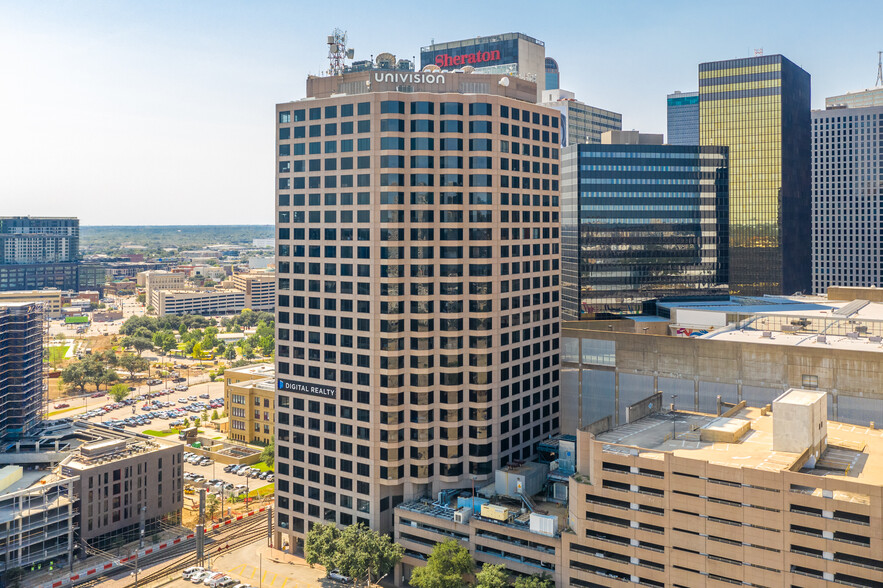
x=122, y=479
x=50, y=299
x=250, y=401
x=160, y=280
x=37, y=519
x=750, y=497
x=259, y=288
x=197, y=301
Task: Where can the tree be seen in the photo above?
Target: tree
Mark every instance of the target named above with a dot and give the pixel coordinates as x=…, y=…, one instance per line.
x=268, y=454
x=197, y=351
x=118, y=392
x=186, y=423
x=196, y=421
x=247, y=351
x=211, y=505
x=357, y=551
x=133, y=364
x=319, y=546
x=492, y=576
x=215, y=415
x=108, y=356
x=75, y=376
x=542, y=581
x=204, y=416
x=445, y=568
x=168, y=341
x=268, y=344
x=105, y=378
x=142, y=298
x=230, y=353
x=139, y=344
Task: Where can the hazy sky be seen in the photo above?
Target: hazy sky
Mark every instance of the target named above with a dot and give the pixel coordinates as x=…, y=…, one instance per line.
x=156, y=112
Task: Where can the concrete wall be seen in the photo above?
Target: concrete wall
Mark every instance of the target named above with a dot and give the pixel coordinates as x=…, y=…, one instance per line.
x=848, y=294
x=700, y=369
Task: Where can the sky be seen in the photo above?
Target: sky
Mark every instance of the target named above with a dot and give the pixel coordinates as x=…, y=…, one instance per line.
x=130, y=113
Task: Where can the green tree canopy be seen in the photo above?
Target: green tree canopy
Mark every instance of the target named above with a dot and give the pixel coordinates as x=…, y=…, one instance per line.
x=75, y=376
x=492, y=576
x=230, y=353
x=133, y=364
x=445, y=568
x=268, y=454
x=542, y=581
x=119, y=392
x=139, y=344
x=357, y=551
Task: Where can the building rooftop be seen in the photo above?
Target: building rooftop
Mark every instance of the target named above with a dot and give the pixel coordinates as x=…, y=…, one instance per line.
x=853, y=452
x=257, y=369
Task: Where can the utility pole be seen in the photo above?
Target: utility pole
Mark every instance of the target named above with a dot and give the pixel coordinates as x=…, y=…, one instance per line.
x=141, y=527
x=270, y=527
x=200, y=529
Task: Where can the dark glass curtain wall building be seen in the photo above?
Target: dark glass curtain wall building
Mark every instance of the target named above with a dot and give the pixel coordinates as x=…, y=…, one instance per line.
x=641, y=222
x=759, y=107
x=683, y=118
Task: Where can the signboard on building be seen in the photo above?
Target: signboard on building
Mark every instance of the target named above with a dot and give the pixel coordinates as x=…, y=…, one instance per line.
x=307, y=388
x=478, y=55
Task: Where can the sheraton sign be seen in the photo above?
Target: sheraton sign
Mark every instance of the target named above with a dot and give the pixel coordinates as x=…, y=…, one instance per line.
x=445, y=60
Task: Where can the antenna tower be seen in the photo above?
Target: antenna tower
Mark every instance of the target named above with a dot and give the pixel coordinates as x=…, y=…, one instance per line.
x=879, y=81
x=337, y=52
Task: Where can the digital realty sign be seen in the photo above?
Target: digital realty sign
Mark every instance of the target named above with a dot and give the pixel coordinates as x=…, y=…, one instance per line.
x=307, y=388
x=477, y=55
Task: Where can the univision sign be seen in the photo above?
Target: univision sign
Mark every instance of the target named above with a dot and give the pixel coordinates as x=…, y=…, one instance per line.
x=409, y=78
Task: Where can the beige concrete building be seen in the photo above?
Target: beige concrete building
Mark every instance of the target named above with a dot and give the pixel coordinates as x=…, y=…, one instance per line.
x=153, y=280
x=50, y=299
x=418, y=289
x=119, y=475
x=693, y=499
x=250, y=400
x=259, y=288
x=212, y=301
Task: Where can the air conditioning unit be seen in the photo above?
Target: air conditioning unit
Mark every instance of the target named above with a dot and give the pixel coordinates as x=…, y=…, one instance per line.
x=463, y=515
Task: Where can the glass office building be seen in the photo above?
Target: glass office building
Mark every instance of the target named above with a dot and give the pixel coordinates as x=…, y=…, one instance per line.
x=683, y=118
x=21, y=368
x=759, y=107
x=641, y=222
x=552, y=74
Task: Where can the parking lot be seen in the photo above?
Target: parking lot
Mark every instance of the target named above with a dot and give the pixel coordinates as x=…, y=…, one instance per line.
x=165, y=408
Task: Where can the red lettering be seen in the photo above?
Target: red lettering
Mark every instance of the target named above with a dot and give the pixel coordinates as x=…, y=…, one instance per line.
x=445, y=60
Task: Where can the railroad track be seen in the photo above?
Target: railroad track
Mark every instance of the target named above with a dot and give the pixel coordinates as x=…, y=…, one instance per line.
x=231, y=536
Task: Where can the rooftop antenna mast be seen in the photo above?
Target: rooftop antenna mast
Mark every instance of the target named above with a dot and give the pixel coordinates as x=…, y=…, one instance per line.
x=337, y=52
x=879, y=81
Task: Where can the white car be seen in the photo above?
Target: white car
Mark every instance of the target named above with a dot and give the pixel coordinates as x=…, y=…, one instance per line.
x=188, y=573
x=198, y=577
x=336, y=575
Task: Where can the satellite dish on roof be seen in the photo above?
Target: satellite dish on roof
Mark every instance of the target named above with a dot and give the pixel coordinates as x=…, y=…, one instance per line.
x=504, y=82
x=468, y=69
x=387, y=60
x=431, y=67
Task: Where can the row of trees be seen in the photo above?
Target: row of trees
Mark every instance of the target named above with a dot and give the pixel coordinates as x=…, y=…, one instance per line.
x=449, y=562
x=101, y=369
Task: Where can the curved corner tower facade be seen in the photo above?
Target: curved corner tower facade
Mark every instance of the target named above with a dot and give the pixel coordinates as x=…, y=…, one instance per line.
x=417, y=316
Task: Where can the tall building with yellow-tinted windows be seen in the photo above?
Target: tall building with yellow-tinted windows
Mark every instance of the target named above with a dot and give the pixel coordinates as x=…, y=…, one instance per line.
x=759, y=107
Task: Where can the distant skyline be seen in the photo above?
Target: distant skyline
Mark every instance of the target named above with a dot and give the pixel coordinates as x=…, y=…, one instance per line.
x=127, y=113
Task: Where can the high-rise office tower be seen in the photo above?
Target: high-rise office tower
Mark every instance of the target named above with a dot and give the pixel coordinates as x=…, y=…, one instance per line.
x=418, y=290
x=21, y=368
x=39, y=252
x=683, y=118
x=759, y=108
x=512, y=54
x=580, y=122
x=553, y=81
x=860, y=99
x=641, y=220
x=847, y=195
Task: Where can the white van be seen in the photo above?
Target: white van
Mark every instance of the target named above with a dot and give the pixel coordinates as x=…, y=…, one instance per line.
x=188, y=573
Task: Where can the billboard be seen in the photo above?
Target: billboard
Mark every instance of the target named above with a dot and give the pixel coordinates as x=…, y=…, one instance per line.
x=477, y=55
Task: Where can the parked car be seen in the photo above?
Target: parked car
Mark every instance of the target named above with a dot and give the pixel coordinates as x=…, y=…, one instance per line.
x=336, y=575
x=62, y=405
x=188, y=573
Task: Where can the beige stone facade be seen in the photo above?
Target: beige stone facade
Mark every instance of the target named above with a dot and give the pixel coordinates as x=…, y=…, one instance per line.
x=418, y=290
x=259, y=288
x=250, y=400
x=50, y=299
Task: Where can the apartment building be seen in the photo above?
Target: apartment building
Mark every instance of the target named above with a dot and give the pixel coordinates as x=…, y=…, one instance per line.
x=749, y=497
x=117, y=476
x=259, y=288
x=250, y=399
x=21, y=368
x=39, y=252
x=418, y=289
